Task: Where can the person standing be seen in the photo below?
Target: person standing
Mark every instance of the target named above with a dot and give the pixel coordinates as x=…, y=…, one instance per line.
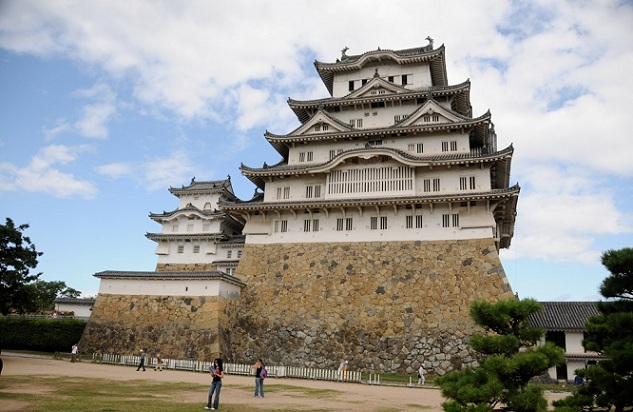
x=217, y=372
x=73, y=353
x=142, y=362
x=342, y=369
x=260, y=374
x=159, y=363
x=421, y=373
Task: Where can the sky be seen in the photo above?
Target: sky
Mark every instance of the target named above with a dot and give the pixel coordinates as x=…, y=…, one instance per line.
x=106, y=104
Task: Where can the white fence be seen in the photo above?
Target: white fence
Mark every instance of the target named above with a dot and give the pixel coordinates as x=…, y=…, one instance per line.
x=234, y=368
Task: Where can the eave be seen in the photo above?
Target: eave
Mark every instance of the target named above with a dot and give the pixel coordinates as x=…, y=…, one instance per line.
x=304, y=109
x=280, y=142
x=185, y=237
x=210, y=275
x=258, y=175
x=377, y=201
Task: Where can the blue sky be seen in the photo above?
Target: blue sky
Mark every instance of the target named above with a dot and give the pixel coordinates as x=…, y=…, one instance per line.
x=106, y=104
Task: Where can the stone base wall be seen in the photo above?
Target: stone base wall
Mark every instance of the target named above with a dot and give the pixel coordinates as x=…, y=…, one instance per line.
x=178, y=327
x=186, y=267
x=384, y=306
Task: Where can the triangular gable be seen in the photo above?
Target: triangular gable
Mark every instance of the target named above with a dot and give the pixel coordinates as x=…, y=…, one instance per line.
x=431, y=112
x=320, y=123
x=376, y=87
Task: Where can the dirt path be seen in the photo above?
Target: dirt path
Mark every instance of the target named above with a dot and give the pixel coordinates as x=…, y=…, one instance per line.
x=235, y=390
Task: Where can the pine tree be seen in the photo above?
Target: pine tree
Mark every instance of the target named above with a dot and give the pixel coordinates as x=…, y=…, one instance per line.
x=510, y=358
x=609, y=384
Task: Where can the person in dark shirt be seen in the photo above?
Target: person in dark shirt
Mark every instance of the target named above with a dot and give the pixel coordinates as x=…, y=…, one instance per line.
x=217, y=372
x=259, y=379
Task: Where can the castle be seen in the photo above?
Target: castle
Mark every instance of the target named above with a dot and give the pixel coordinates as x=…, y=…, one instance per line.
x=368, y=241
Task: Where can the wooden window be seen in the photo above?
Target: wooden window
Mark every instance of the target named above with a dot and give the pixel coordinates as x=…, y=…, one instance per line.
x=196, y=248
x=279, y=226
x=405, y=80
x=462, y=183
x=350, y=86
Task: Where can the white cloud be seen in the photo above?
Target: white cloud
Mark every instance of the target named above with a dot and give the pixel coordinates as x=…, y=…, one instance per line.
x=554, y=75
x=61, y=126
x=44, y=175
x=154, y=174
x=93, y=122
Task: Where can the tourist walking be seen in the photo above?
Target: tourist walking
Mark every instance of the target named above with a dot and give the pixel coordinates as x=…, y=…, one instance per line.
x=142, y=362
x=159, y=363
x=421, y=373
x=73, y=353
x=260, y=374
x=217, y=372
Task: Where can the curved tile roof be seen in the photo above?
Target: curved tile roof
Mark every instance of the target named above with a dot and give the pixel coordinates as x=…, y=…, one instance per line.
x=303, y=108
x=208, y=275
x=185, y=236
x=435, y=57
x=256, y=175
x=205, y=187
x=564, y=316
x=376, y=201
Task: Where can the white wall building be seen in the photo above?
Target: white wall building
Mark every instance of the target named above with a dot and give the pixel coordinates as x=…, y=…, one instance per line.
x=394, y=154
x=564, y=323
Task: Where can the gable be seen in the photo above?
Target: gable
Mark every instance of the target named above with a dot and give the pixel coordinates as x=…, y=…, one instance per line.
x=431, y=112
x=320, y=123
x=376, y=87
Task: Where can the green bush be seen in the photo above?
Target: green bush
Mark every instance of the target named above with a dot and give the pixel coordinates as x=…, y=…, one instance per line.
x=47, y=335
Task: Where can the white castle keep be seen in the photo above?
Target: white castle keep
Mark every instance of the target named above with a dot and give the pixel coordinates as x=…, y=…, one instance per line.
x=378, y=227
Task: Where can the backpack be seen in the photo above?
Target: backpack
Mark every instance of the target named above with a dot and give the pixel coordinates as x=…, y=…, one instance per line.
x=263, y=373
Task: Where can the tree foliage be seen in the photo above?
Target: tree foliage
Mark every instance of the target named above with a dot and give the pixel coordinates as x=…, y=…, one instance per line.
x=610, y=382
x=45, y=293
x=510, y=358
x=17, y=257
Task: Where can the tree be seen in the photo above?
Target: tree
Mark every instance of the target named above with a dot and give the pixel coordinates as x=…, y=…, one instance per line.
x=610, y=382
x=45, y=293
x=17, y=257
x=510, y=358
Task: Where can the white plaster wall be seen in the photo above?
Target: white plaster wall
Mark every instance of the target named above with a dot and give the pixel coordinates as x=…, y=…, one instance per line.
x=207, y=253
x=476, y=224
x=199, y=201
x=81, y=311
x=449, y=183
x=192, y=224
x=189, y=287
x=572, y=366
x=573, y=341
x=418, y=75
x=432, y=146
